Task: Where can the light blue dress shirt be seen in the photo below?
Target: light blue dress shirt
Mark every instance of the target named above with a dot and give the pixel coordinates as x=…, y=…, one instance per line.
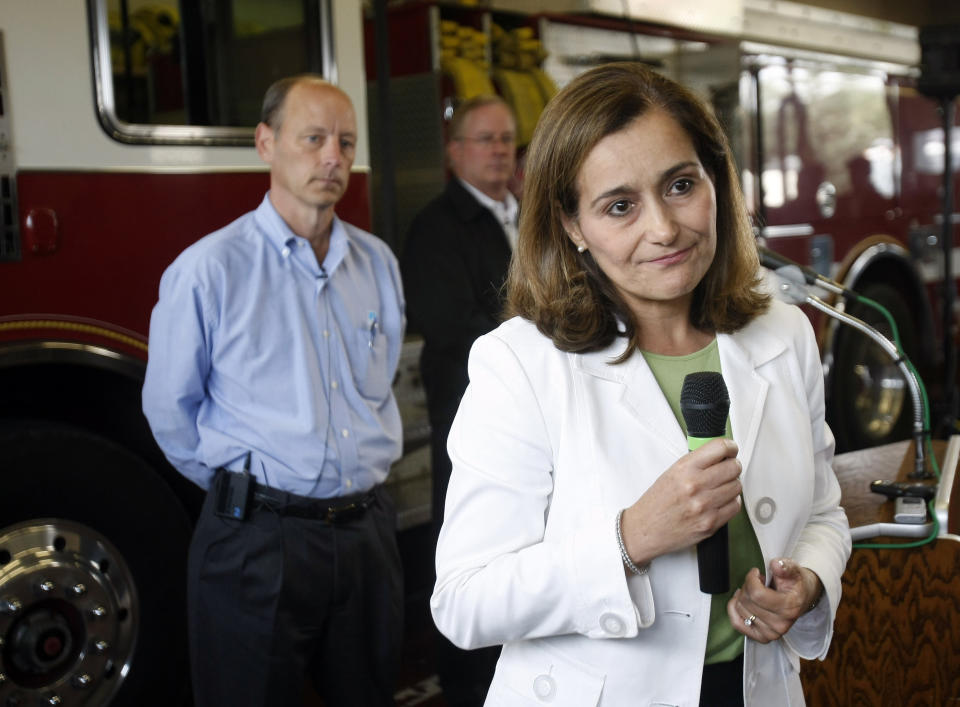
x=255, y=347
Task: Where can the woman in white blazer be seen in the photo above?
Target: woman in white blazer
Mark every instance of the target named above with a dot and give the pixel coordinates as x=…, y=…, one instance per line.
x=574, y=509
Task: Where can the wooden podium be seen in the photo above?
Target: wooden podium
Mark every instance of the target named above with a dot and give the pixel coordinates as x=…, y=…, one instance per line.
x=896, y=640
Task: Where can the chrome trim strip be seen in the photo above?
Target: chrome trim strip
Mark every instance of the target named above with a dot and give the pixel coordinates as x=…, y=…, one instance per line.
x=875, y=251
x=786, y=231
x=19, y=354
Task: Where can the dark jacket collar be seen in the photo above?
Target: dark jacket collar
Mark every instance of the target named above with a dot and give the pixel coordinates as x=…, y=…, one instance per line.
x=466, y=205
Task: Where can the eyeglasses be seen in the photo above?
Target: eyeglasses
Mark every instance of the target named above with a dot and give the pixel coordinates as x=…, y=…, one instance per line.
x=489, y=140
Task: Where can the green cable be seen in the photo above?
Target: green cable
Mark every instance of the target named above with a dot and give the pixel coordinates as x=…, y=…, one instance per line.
x=934, y=532
x=928, y=443
x=896, y=340
x=889, y=317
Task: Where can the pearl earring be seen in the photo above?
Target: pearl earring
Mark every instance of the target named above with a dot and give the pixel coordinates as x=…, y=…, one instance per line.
x=580, y=249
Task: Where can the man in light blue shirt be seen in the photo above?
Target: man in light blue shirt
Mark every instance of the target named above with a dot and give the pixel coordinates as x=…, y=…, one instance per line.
x=272, y=350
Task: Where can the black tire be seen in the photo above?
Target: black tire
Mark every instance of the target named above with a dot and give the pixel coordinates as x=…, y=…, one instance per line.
x=62, y=472
x=861, y=412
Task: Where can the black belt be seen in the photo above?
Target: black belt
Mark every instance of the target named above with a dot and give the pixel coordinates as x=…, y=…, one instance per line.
x=340, y=509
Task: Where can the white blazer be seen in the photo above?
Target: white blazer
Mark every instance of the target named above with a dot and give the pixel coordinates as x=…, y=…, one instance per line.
x=547, y=446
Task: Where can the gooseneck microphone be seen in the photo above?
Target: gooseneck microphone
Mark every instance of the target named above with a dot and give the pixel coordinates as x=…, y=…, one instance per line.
x=772, y=260
x=705, y=403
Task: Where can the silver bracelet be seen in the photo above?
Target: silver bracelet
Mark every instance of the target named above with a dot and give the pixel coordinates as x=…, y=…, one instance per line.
x=623, y=550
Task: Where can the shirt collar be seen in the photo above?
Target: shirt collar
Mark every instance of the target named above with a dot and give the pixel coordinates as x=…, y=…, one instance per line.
x=279, y=234
x=505, y=211
x=339, y=243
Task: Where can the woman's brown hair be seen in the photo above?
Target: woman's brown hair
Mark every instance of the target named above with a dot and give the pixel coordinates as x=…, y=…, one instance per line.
x=564, y=292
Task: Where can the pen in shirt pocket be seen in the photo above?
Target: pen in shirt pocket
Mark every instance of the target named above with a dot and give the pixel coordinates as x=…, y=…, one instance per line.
x=372, y=321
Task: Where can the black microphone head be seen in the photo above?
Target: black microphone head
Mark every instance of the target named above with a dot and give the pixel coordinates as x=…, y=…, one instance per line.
x=704, y=403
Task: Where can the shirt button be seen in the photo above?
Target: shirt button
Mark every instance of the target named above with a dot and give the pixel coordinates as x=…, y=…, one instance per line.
x=544, y=687
x=345, y=432
x=334, y=385
x=285, y=252
x=325, y=333
x=612, y=624
x=348, y=483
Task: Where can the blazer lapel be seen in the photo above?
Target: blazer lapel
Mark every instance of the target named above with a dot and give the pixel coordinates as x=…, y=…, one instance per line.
x=640, y=394
x=741, y=354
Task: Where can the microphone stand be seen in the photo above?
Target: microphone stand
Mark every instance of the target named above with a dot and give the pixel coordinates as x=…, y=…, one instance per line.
x=791, y=287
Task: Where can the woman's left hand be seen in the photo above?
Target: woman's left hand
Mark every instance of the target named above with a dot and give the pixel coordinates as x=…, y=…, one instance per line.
x=766, y=613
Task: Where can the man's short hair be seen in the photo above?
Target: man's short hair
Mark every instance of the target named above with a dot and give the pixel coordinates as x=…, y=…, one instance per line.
x=272, y=111
x=460, y=113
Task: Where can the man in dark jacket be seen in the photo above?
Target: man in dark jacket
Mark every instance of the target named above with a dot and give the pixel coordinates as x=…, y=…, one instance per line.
x=454, y=265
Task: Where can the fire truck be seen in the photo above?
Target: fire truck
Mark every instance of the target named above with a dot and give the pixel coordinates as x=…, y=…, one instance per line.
x=126, y=133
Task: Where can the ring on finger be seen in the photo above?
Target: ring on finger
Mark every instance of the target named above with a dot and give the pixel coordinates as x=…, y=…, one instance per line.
x=748, y=622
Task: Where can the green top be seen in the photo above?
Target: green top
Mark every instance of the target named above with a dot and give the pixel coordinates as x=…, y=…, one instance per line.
x=723, y=641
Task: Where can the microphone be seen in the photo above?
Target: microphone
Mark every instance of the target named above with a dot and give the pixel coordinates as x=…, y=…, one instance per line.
x=788, y=281
x=774, y=261
x=704, y=402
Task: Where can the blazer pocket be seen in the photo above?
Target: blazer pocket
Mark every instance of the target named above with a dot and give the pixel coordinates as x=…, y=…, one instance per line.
x=533, y=673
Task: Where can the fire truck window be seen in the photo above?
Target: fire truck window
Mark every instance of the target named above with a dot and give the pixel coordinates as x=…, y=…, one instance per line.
x=823, y=125
x=178, y=63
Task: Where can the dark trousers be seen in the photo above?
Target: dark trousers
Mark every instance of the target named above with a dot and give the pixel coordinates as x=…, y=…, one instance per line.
x=275, y=598
x=722, y=684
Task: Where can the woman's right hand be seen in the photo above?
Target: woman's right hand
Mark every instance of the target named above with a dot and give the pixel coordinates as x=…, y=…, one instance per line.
x=688, y=503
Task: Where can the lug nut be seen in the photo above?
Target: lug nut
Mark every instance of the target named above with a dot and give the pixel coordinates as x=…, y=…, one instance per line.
x=78, y=589
x=82, y=680
x=101, y=646
x=47, y=586
x=10, y=605
x=54, y=700
x=99, y=611
x=3, y=678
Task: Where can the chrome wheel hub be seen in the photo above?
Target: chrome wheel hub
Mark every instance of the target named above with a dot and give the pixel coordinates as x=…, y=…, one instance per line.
x=68, y=615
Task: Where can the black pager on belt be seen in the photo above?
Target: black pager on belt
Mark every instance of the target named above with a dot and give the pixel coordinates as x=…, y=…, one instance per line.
x=234, y=491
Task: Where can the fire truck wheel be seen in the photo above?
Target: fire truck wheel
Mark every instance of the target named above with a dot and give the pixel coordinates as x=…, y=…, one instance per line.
x=92, y=573
x=868, y=401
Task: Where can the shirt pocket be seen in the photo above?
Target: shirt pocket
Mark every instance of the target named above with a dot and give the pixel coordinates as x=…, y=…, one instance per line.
x=370, y=364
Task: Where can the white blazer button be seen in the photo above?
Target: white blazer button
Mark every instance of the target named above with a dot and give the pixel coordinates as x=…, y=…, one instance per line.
x=765, y=509
x=544, y=687
x=612, y=624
